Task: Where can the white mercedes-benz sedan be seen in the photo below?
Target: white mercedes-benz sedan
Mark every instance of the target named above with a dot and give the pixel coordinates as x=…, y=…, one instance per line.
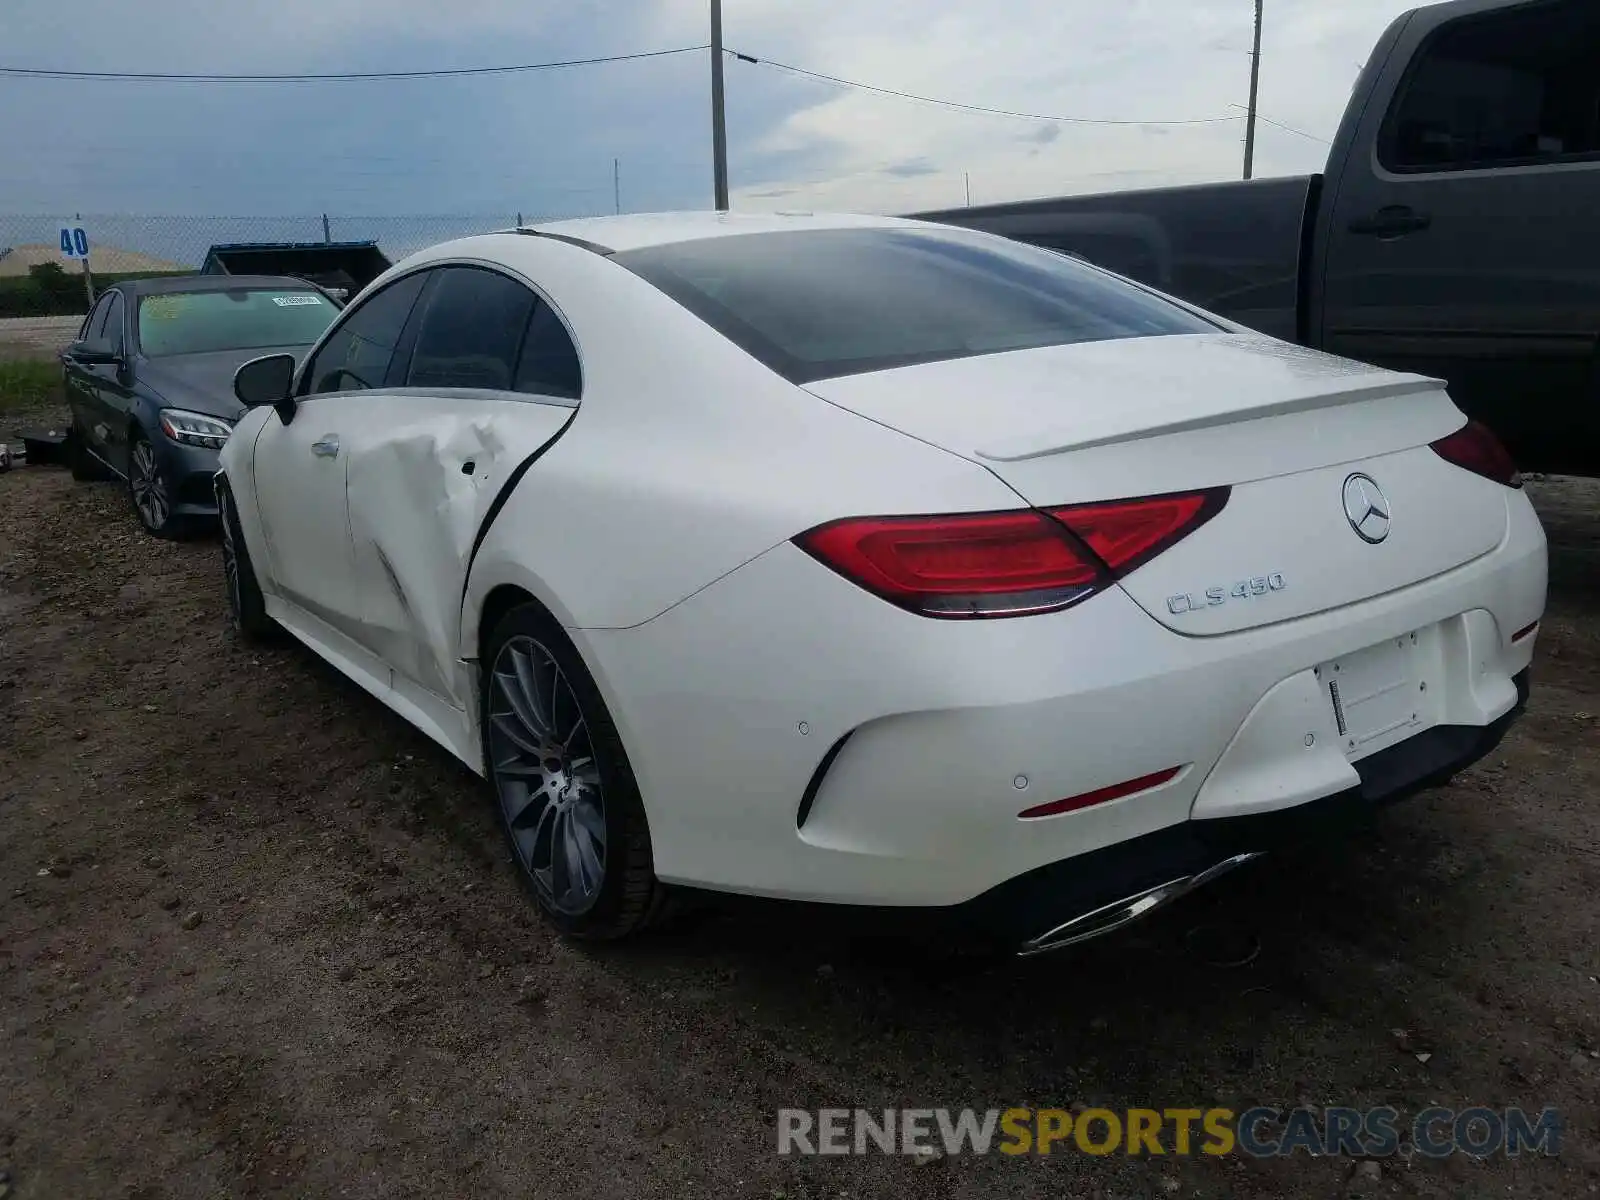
x=878, y=563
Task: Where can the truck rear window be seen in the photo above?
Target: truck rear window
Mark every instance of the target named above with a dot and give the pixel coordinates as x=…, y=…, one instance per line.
x=819, y=303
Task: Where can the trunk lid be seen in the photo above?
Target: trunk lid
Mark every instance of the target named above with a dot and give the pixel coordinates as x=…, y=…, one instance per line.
x=1285, y=428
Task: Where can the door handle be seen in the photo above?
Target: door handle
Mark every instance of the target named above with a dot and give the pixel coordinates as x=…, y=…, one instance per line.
x=327, y=447
x=1393, y=220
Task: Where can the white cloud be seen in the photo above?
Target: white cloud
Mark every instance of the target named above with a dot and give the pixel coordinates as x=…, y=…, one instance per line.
x=1135, y=60
x=794, y=142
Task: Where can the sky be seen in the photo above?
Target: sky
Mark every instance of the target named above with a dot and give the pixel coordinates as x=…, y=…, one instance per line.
x=546, y=144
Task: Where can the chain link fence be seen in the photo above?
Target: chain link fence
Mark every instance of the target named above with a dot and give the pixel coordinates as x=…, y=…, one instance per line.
x=37, y=280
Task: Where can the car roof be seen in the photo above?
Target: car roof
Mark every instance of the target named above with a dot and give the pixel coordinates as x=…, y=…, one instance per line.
x=638, y=230
x=172, y=284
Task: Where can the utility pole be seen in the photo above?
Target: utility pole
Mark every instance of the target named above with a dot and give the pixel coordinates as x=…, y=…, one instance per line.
x=88, y=276
x=966, y=178
x=1250, y=117
x=719, y=131
x=616, y=183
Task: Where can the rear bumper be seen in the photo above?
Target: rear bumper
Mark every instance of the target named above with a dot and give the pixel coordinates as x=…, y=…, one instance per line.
x=1091, y=894
x=796, y=739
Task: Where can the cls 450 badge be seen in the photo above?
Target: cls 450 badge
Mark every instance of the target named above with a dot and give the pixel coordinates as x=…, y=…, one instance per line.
x=1261, y=585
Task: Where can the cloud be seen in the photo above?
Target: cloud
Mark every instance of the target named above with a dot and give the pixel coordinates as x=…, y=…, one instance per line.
x=911, y=169
x=544, y=144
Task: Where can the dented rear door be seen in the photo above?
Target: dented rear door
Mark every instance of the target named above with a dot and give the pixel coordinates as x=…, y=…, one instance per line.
x=486, y=374
x=425, y=472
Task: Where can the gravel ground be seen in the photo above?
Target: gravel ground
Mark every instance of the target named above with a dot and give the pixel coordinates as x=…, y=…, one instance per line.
x=258, y=937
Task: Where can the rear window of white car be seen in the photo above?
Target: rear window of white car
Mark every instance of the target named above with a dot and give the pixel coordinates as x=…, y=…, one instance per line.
x=819, y=303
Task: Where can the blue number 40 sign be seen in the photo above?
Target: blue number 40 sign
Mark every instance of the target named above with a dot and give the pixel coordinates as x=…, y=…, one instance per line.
x=74, y=241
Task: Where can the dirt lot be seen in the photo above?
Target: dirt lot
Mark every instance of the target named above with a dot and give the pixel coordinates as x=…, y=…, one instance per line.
x=36, y=337
x=257, y=937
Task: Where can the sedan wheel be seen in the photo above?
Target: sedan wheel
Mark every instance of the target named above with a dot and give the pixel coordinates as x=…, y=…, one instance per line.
x=149, y=488
x=247, y=607
x=549, y=785
x=568, y=802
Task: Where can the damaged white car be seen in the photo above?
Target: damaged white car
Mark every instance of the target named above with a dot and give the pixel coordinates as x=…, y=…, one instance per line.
x=879, y=563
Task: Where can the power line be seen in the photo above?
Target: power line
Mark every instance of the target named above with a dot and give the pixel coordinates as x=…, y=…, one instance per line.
x=1288, y=128
x=977, y=108
x=174, y=77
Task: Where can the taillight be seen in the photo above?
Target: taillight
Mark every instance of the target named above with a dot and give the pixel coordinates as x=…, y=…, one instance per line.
x=1474, y=448
x=1005, y=564
x=968, y=565
x=1125, y=534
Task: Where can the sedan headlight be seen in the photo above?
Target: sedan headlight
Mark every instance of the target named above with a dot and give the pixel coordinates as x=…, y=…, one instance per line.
x=194, y=429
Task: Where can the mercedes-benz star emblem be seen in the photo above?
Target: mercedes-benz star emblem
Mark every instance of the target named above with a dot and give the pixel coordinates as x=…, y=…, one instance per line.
x=1366, y=508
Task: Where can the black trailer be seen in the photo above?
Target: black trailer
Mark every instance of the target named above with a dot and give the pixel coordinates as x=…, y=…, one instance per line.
x=340, y=268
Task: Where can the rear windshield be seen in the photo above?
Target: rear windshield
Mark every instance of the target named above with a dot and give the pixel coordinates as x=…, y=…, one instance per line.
x=246, y=319
x=813, y=304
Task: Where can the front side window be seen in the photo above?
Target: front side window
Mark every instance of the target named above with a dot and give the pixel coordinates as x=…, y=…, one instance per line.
x=470, y=331
x=95, y=322
x=236, y=319
x=358, y=353
x=1509, y=88
x=812, y=304
x=111, y=332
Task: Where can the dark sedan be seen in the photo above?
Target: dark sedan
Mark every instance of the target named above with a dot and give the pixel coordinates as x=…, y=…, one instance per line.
x=150, y=382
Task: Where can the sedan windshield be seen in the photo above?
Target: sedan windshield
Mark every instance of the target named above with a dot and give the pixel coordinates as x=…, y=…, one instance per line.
x=818, y=303
x=243, y=319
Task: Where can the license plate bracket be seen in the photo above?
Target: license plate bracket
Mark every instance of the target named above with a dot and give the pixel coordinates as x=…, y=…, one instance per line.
x=1381, y=695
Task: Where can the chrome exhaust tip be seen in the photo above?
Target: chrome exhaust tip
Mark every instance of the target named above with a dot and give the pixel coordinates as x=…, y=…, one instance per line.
x=1100, y=921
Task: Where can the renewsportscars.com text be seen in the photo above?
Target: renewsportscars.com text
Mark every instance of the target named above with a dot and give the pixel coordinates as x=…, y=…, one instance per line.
x=1259, y=1132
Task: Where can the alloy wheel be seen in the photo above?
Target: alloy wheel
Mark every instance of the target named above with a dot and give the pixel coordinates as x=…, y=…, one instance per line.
x=545, y=775
x=149, y=488
x=230, y=557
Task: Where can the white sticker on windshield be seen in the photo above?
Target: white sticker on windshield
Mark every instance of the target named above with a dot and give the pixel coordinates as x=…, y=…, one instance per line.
x=289, y=301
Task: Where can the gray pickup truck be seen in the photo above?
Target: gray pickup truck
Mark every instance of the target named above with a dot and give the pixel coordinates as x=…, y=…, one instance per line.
x=1455, y=231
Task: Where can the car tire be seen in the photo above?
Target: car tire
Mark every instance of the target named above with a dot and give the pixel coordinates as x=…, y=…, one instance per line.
x=85, y=467
x=247, y=608
x=150, y=492
x=536, y=697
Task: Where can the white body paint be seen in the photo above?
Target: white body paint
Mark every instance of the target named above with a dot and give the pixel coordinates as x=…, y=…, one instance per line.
x=657, y=530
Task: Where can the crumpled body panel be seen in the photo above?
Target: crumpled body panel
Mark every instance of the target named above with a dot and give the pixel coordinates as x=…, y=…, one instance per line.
x=420, y=486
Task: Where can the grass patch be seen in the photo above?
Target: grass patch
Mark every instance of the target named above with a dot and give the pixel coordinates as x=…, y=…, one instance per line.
x=25, y=384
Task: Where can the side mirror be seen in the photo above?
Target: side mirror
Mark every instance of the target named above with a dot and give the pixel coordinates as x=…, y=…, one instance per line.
x=90, y=355
x=267, y=380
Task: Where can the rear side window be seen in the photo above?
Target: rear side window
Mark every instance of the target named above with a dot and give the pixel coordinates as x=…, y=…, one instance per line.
x=549, y=362
x=358, y=353
x=471, y=329
x=1508, y=88
x=813, y=304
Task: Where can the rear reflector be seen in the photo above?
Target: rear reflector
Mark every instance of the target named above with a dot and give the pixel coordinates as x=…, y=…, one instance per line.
x=1006, y=564
x=1100, y=795
x=1525, y=631
x=1474, y=448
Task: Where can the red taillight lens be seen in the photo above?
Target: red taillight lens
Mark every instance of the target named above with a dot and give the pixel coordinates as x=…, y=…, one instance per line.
x=977, y=565
x=1127, y=533
x=1474, y=448
x=1008, y=563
